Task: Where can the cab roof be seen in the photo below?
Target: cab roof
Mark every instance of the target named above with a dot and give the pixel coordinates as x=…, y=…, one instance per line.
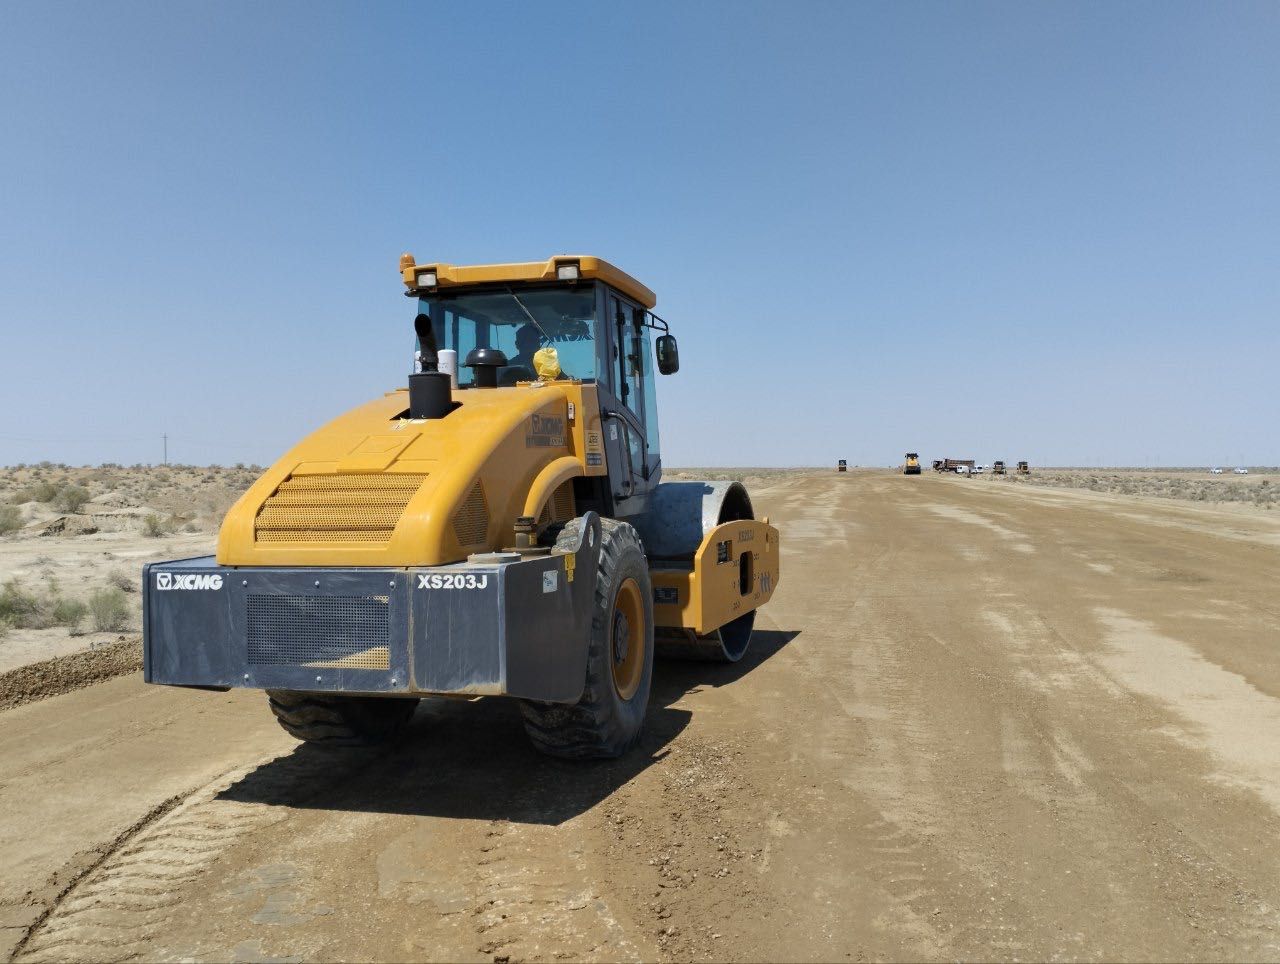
x=457, y=275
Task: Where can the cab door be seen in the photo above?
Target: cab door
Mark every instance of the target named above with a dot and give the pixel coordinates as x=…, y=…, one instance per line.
x=626, y=433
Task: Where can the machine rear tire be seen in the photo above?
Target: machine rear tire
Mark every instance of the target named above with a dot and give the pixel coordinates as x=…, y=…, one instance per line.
x=340, y=720
x=607, y=720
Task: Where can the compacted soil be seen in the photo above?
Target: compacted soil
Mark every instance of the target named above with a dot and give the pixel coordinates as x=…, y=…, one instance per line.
x=978, y=721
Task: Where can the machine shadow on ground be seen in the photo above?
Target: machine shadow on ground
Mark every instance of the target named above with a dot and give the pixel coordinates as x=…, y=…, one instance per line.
x=470, y=760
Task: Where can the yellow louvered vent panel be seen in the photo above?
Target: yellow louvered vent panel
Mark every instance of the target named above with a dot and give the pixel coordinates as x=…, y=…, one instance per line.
x=562, y=503
x=559, y=507
x=360, y=507
x=471, y=523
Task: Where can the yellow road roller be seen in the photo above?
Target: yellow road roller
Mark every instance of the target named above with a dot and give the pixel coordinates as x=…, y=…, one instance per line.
x=911, y=465
x=498, y=527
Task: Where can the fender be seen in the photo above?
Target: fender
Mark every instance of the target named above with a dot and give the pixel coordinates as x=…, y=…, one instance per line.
x=551, y=477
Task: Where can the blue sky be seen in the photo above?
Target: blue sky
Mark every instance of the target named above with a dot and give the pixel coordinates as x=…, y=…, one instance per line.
x=1046, y=231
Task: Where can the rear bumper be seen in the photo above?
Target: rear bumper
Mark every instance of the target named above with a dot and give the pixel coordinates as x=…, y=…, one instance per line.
x=515, y=628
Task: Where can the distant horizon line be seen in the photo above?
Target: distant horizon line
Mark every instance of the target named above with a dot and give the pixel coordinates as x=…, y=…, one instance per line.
x=254, y=466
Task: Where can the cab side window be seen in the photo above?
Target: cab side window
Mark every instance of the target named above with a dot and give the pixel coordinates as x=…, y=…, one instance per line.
x=650, y=413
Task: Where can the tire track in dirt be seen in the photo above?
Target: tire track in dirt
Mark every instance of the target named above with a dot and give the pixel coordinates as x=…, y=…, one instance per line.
x=538, y=905
x=121, y=903
x=704, y=847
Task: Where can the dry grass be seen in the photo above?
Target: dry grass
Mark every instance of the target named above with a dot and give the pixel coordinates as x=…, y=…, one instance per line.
x=10, y=519
x=70, y=498
x=21, y=608
x=109, y=608
x=1259, y=489
x=72, y=545
x=157, y=500
x=748, y=476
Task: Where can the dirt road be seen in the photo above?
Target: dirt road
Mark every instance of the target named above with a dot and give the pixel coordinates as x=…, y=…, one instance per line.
x=981, y=721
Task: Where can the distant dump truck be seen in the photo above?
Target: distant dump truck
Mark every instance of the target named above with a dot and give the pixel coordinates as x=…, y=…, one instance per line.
x=997, y=467
x=954, y=465
x=912, y=464
x=1024, y=468
x=842, y=466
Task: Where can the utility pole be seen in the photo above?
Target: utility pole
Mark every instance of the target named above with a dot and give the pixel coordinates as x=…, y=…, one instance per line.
x=166, y=448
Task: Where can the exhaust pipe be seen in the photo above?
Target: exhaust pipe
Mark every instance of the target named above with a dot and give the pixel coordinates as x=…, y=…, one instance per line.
x=430, y=390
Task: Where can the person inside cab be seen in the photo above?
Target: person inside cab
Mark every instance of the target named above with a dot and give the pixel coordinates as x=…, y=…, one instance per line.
x=528, y=341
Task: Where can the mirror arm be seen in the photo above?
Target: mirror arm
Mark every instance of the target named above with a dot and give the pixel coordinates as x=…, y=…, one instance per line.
x=656, y=323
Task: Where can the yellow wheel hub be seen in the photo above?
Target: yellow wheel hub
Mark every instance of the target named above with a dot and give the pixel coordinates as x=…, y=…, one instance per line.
x=626, y=639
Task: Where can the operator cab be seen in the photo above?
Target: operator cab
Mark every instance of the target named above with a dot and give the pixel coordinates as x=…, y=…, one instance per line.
x=518, y=324
x=600, y=323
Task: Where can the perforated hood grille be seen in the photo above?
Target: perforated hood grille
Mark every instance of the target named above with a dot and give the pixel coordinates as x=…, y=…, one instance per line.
x=357, y=507
x=471, y=522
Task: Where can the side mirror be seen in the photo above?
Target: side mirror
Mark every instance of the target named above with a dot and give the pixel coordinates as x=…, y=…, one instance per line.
x=668, y=354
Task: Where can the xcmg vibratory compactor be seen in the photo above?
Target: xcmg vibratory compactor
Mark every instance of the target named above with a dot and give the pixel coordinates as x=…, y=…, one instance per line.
x=500, y=527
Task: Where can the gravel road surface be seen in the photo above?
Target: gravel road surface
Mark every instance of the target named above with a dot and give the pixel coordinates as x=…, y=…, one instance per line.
x=979, y=720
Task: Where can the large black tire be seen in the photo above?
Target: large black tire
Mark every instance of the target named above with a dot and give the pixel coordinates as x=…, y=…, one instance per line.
x=607, y=720
x=340, y=720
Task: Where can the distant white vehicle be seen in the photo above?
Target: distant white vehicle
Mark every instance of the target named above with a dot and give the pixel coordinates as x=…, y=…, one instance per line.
x=963, y=470
x=1215, y=471
x=1241, y=471
x=979, y=469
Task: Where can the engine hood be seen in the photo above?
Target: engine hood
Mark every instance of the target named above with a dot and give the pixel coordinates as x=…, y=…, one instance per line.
x=376, y=488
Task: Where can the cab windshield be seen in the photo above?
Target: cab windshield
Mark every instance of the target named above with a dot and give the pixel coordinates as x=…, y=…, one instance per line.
x=518, y=322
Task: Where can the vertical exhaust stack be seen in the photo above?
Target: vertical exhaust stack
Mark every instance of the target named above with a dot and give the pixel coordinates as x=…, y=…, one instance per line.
x=430, y=390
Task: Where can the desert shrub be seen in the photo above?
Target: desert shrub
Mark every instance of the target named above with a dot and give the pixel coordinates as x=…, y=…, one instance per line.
x=123, y=581
x=10, y=519
x=71, y=498
x=23, y=609
x=70, y=613
x=109, y=608
x=39, y=492
x=152, y=526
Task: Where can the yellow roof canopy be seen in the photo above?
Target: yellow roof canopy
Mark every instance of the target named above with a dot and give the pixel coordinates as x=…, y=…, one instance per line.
x=456, y=275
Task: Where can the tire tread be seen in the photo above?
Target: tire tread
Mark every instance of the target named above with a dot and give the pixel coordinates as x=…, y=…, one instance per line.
x=329, y=720
x=590, y=728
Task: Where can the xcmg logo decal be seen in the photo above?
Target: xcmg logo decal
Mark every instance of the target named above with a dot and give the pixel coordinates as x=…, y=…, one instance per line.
x=181, y=580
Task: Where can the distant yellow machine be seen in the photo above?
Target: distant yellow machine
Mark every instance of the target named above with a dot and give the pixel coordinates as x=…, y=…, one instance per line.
x=912, y=464
x=498, y=527
x=1023, y=468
